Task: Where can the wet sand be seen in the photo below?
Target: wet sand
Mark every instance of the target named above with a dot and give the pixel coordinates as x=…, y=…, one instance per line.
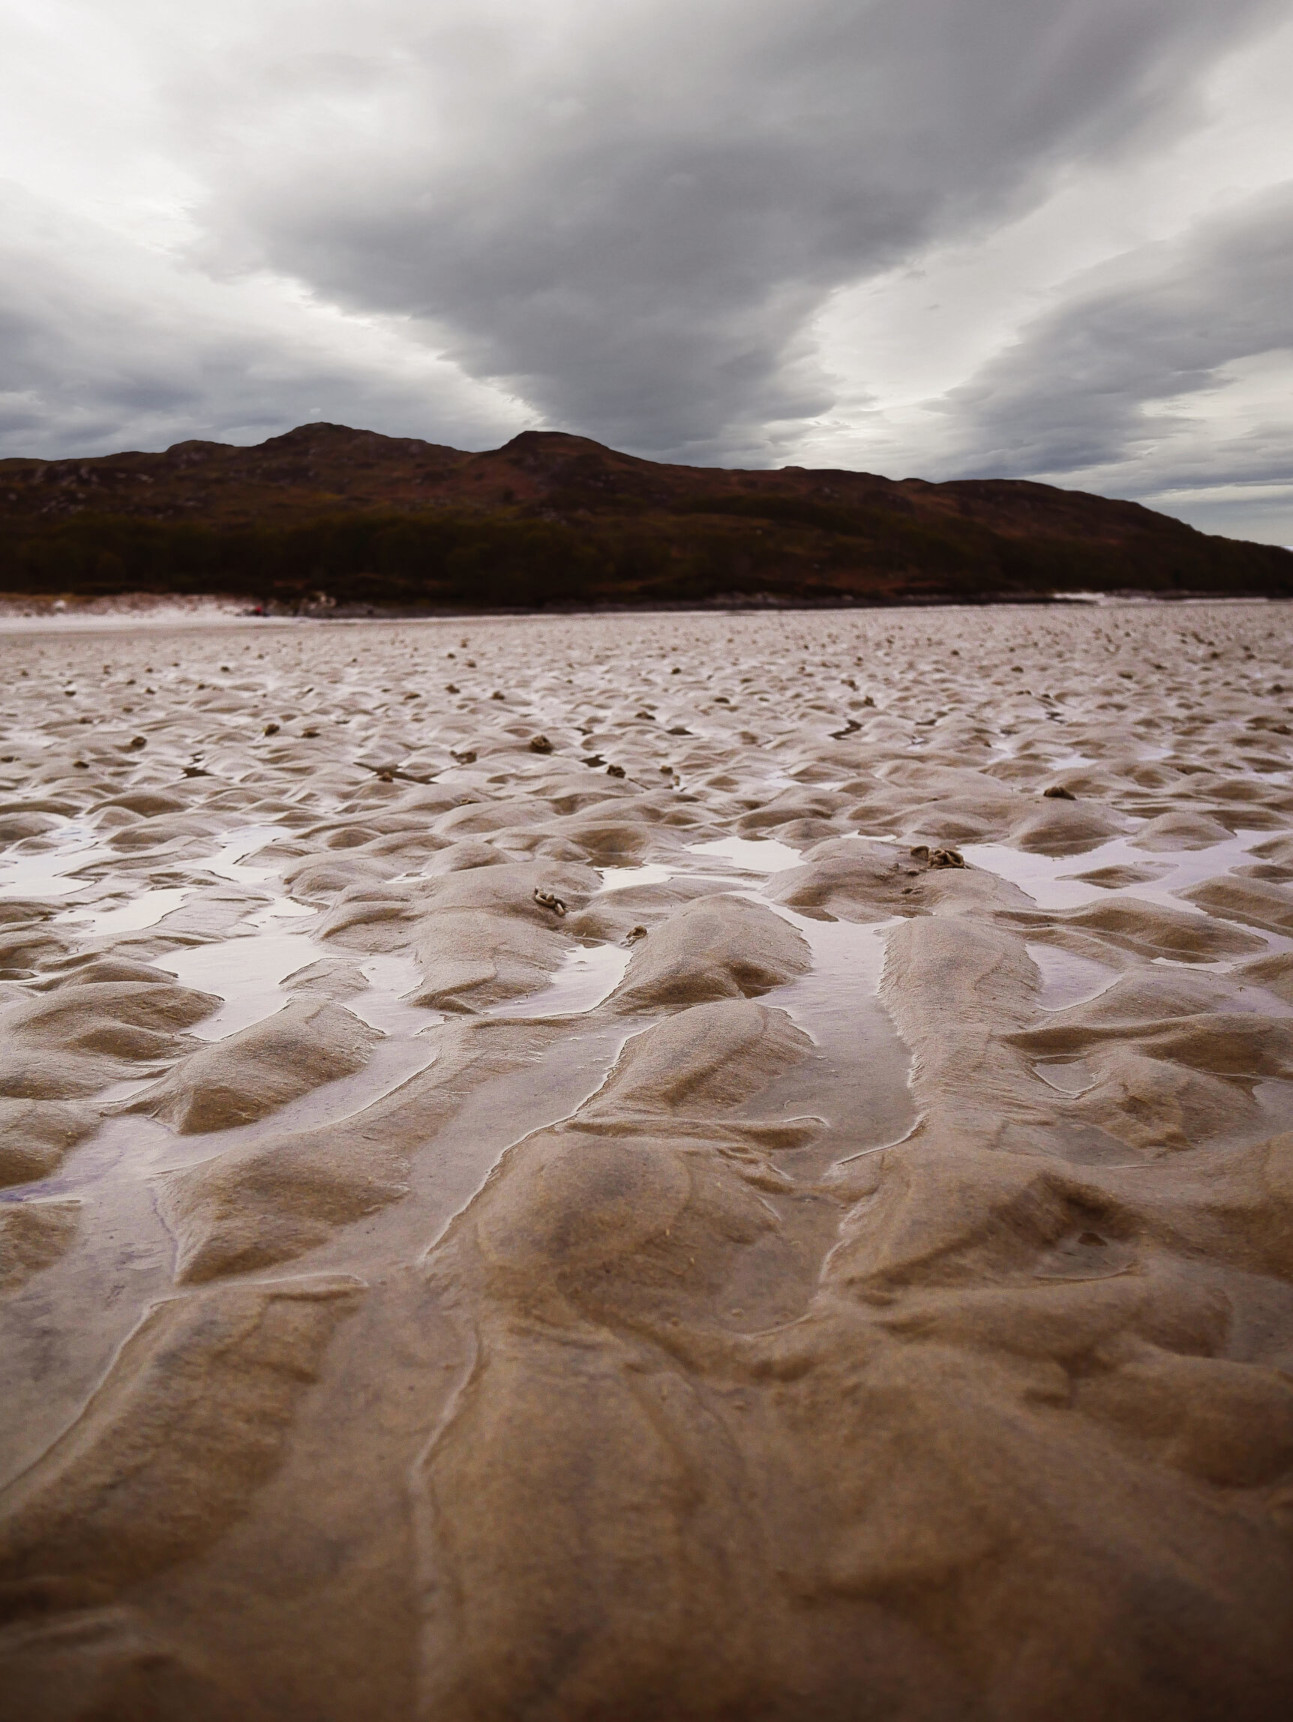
x=680, y=1167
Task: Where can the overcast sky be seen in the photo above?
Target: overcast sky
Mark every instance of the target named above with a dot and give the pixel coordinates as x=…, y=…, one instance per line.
x=1030, y=238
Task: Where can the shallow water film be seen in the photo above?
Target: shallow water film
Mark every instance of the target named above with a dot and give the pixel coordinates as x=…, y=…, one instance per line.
x=649, y=1167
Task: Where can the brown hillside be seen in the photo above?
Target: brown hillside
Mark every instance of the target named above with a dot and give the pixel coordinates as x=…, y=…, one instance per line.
x=551, y=516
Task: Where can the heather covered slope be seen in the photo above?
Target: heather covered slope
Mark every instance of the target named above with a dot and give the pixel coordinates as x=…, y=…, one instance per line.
x=551, y=518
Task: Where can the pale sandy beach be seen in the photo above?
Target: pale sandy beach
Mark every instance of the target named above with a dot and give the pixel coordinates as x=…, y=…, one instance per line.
x=680, y=1168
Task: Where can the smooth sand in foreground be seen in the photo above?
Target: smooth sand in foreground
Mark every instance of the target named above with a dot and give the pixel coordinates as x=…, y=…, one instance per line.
x=681, y=1167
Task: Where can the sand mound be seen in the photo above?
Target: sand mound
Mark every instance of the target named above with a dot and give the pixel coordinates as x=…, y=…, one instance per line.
x=268, y=1200
x=83, y=1037
x=32, y=1236
x=718, y=947
x=170, y=1450
x=36, y=1134
x=252, y=1073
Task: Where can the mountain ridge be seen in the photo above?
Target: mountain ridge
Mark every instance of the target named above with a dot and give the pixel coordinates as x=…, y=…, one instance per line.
x=327, y=511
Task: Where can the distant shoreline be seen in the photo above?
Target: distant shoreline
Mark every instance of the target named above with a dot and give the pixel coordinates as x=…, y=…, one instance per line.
x=23, y=613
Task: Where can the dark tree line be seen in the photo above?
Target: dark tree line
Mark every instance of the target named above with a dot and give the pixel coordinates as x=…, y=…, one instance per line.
x=711, y=547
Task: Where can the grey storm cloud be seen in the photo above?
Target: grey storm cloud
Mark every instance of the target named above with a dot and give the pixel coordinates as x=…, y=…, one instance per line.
x=630, y=214
x=827, y=231
x=104, y=349
x=1086, y=383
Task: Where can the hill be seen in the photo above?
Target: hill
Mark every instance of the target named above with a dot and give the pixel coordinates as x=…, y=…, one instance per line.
x=356, y=517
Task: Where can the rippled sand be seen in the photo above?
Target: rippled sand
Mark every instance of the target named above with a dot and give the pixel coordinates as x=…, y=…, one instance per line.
x=655, y=1167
